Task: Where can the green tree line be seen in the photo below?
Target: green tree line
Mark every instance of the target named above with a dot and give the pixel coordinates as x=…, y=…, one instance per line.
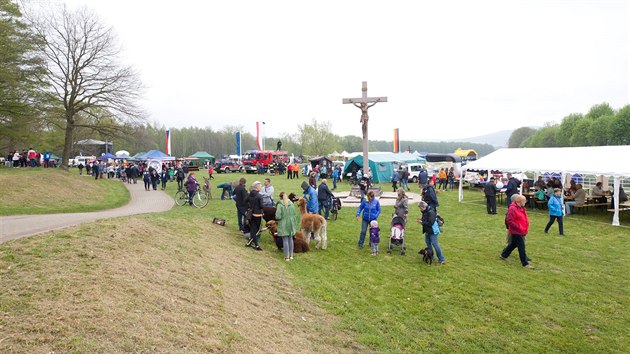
x=600, y=126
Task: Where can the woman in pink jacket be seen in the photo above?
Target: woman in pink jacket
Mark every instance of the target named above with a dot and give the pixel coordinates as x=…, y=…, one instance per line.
x=518, y=225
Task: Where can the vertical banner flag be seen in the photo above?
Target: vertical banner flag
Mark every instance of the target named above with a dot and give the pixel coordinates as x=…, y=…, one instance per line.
x=238, y=143
x=259, y=136
x=396, y=141
x=168, y=141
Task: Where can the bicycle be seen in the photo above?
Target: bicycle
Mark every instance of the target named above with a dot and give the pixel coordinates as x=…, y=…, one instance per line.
x=200, y=198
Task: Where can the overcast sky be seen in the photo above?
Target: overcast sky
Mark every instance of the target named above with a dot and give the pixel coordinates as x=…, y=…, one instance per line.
x=450, y=69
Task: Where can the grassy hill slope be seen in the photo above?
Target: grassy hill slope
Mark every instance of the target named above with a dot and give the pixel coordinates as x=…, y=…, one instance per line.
x=51, y=190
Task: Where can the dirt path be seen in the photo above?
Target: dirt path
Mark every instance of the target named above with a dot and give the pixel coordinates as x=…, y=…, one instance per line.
x=18, y=226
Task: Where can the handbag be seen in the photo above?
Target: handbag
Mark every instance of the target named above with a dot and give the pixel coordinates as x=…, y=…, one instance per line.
x=436, y=227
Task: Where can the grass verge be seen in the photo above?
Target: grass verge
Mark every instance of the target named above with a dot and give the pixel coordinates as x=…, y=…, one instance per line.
x=51, y=191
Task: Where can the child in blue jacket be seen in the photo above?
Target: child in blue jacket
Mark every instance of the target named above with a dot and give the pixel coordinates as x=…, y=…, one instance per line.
x=555, y=210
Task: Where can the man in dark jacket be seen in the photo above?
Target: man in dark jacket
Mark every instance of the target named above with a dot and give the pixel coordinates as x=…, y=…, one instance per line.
x=324, y=196
x=255, y=224
x=512, y=188
x=240, y=197
x=490, y=189
x=423, y=177
x=135, y=173
x=180, y=175
x=428, y=195
x=404, y=177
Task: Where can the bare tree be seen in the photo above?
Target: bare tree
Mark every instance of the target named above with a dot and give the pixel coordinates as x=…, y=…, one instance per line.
x=84, y=74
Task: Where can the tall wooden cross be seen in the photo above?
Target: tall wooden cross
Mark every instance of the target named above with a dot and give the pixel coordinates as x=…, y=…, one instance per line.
x=363, y=103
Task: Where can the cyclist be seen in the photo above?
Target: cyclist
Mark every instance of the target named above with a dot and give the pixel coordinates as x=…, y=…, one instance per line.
x=191, y=187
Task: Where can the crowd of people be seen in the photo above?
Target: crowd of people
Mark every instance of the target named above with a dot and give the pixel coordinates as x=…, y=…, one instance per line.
x=250, y=203
x=29, y=158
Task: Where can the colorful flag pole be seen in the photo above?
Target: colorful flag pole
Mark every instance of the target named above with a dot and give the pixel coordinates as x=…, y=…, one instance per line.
x=396, y=141
x=238, y=143
x=168, y=142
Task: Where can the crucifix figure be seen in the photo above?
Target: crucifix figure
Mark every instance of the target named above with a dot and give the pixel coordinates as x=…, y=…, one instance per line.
x=363, y=103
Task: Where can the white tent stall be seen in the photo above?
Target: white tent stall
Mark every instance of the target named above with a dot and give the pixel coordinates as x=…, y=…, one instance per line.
x=608, y=161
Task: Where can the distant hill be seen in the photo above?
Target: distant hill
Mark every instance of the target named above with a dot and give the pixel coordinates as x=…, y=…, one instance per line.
x=498, y=139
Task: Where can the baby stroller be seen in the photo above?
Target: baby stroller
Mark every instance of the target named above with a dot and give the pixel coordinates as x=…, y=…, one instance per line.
x=335, y=205
x=397, y=236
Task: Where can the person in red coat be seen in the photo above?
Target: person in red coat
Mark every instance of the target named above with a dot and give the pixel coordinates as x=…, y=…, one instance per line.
x=518, y=225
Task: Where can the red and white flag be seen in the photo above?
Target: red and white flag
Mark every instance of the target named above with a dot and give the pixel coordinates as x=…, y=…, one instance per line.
x=259, y=135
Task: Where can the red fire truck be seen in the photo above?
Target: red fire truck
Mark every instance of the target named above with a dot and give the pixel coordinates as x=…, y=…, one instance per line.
x=252, y=159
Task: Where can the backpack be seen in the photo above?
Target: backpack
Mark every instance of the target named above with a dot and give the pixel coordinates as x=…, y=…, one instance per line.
x=180, y=175
x=439, y=219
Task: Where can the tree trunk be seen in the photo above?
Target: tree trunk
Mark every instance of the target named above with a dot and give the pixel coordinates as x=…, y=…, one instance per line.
x=67, y=146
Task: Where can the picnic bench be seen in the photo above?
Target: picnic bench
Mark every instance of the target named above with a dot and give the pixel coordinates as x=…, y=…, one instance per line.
x=620, y=209
x=625, y=206
x=584, y=207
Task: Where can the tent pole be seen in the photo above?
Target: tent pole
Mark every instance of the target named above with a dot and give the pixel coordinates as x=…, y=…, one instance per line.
x=615, y=220
x=461, y=183
x=563, y=181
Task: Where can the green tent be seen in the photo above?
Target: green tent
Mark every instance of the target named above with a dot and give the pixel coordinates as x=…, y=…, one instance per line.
x=135, y=157
x=203, y=157
x=382, y=164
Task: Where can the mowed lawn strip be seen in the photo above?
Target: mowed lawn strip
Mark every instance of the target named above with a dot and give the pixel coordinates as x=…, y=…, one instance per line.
x=575, y=301
x=51, y=191
x=161, y=283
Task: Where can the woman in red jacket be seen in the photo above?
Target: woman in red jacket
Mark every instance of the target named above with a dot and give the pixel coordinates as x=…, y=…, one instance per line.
x=518, y=225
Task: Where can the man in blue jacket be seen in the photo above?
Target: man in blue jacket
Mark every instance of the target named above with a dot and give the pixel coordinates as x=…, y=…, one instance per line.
x=371, y=209
x=310, y=194
x=336, y=172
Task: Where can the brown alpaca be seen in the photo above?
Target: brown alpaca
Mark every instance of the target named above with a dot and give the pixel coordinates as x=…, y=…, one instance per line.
x=299, y=244
x=313, y=223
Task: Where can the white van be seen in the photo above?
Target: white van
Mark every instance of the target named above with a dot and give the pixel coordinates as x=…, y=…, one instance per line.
x=414, y=170
x=80, y=160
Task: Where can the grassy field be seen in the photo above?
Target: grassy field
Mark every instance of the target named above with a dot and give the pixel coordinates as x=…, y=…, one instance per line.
x=171, y=282
x=51, y=190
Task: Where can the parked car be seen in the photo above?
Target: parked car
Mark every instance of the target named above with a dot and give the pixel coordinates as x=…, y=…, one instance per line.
x=414, y=170
x=228, y=166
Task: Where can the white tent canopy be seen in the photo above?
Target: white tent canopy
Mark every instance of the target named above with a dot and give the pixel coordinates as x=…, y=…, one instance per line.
x=610, y=161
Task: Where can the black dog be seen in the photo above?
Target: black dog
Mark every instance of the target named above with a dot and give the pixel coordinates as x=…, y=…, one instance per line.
x=427, y=255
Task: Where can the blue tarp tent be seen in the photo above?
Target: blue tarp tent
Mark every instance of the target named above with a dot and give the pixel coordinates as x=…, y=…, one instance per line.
x=108, y=156
x=154, y=158
x=155, y=155
x=382, y=164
